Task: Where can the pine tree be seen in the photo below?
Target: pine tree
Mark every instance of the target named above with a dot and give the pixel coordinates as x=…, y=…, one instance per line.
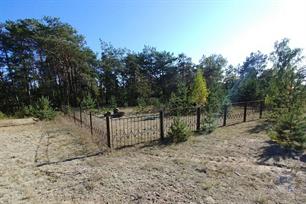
x=199, y=92
x=287, y=98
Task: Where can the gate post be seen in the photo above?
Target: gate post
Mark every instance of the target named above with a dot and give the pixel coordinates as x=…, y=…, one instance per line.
x=198, y=118
x=108, y=132
x=224, y=115
x=245, y=111
x=161, y=120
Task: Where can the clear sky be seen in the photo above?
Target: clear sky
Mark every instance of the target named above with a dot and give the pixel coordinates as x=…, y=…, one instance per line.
x=233, y=28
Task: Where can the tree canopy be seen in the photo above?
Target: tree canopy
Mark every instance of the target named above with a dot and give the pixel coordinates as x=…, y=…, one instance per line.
x=47, y=57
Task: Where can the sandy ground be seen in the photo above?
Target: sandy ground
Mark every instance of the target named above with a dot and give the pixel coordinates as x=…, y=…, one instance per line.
x=235, y=164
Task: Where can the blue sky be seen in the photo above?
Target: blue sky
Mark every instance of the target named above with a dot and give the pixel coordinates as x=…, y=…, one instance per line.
x=232, y=28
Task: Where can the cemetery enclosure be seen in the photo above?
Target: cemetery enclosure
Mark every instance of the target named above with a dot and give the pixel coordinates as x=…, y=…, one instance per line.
x=117, y=132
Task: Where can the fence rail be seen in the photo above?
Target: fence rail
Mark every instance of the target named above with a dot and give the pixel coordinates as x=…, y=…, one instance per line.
x=125, y=131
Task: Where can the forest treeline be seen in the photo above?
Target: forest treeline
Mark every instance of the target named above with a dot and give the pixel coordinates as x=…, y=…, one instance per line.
x=46, y=57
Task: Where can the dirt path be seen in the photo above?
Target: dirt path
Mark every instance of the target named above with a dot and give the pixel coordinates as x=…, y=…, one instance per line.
x=235, y=164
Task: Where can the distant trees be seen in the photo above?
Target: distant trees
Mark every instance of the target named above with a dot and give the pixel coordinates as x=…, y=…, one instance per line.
x=44, y=58
x=250, y=73
x=50, y=58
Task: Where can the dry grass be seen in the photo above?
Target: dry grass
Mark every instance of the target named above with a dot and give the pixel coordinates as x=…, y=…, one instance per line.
x=232, y=165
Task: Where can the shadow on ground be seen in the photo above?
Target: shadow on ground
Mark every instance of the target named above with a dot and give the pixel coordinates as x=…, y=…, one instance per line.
x=260, y=127
x=276, y=152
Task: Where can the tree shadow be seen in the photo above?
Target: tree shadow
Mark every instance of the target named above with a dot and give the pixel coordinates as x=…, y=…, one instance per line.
x=263, y=126
x=276, y=152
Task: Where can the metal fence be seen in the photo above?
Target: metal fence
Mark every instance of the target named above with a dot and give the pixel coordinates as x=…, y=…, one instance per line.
x=114, y=133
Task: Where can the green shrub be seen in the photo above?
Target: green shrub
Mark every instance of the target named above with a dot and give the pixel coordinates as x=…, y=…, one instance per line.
x=26, y=111
x=88, y=103
x=2, y=115
x=141, y=105
x=43, y=109
x=289, y=130
x=209, y=123
x=180, y=101
x=179, y=132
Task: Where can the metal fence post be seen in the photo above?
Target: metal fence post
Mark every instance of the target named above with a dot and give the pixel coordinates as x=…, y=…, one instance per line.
x=90, y=120
x=161, y=120
x=81, y=115
x=245, y=111
x=224, y=115
x=108, y=132
x=198, y=118
x=260, y=109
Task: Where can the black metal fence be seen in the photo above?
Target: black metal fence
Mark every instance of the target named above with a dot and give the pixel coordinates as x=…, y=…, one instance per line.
x=125, y=131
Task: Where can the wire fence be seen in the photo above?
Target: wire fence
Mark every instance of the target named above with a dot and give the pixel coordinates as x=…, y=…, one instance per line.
x=118, y=132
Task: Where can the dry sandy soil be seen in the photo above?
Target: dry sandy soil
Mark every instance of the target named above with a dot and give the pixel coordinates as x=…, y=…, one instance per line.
x=46, y=163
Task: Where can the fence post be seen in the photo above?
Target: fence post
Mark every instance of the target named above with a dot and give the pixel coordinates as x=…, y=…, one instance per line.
x=245, y=111
x=224, y=115
x=161, y=120
x=90, y=120
x=81, y=115
x=198, y=118
x=108, y=132
x=260, y=109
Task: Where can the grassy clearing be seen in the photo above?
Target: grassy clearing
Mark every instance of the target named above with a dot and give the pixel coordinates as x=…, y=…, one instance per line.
x=232, y=165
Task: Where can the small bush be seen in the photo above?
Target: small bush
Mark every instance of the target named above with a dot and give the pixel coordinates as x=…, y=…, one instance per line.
x=88, y=103
x=289, y=130
x=26, y=111
x=209, y=123
x=43, y=109
x=2, y=115
x=141, y=105
x=179, y=132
